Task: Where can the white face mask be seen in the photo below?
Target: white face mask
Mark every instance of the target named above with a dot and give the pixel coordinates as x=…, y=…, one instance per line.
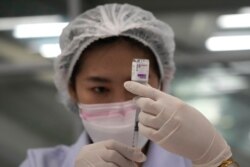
x=111, y=121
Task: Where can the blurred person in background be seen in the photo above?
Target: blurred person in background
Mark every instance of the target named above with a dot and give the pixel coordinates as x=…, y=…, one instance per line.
x=93, y=73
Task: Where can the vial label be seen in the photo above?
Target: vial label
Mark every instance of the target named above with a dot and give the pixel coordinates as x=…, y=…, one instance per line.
x=140, y=70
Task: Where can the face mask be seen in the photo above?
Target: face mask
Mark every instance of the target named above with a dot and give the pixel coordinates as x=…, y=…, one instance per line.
x=111, y=121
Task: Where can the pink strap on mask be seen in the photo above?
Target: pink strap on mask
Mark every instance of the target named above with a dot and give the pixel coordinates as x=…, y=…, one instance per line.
x=90, y=116
x=93, y=111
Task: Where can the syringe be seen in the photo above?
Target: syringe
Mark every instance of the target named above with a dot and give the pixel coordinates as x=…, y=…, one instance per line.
x=140, y=73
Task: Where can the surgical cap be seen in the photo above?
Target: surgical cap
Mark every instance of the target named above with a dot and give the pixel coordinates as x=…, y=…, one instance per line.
x=108, y=21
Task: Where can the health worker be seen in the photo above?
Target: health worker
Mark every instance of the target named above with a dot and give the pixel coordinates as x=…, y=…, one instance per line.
x=93, y=75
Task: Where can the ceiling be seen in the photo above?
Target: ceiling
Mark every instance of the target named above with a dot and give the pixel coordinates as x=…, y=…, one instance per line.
x=193, y=21
x=14, y=8
x=30, y=112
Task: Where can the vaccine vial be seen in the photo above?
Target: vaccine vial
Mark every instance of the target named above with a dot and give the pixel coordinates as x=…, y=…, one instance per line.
x=140, y=73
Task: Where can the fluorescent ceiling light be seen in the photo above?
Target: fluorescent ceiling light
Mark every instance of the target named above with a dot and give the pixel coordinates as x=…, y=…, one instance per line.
x=39, y=30
x=228, y=43
x=9, y=23
x=234, y=21
x=50, y=50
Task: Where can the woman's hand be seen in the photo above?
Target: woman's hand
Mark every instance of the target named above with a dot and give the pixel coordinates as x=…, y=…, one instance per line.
x=178, y=127
x=109, y=153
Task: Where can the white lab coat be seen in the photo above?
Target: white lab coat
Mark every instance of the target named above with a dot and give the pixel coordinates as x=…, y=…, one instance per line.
x=64, y=156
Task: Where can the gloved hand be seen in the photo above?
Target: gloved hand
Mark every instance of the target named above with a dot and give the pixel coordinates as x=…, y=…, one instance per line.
x=109, y=153
x=178, y=127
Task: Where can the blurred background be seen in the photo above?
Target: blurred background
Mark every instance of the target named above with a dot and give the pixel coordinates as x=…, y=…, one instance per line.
x=212, y=56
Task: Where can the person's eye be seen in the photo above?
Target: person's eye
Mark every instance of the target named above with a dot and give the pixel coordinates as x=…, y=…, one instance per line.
x=100, y=90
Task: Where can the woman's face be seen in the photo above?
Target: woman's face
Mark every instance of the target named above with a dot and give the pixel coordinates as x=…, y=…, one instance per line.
x=104, y=71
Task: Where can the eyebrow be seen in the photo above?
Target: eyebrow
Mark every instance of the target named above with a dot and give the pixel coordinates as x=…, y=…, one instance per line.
x=98, y=79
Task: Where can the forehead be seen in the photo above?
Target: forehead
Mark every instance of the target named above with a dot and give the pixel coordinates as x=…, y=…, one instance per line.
x=112, y=57
x=118, y=55
x=117, y=49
